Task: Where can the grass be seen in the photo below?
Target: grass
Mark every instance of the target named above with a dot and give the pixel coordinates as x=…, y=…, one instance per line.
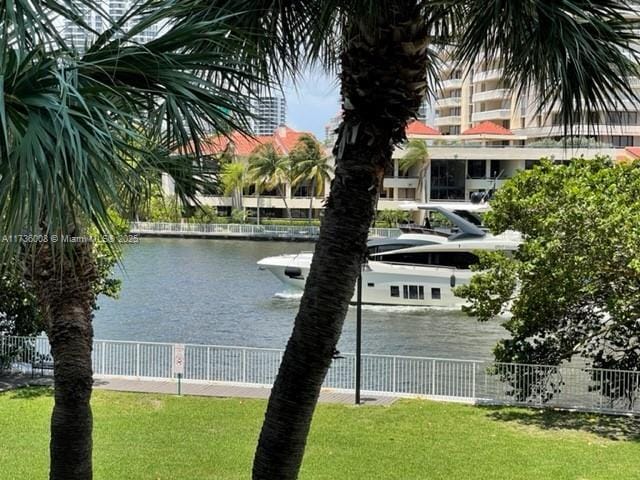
x=149, y=436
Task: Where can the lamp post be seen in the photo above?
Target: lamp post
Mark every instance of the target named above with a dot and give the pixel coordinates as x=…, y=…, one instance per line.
x=358, y=334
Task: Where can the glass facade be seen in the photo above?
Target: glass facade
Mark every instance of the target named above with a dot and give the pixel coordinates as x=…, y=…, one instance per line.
x=448, y=179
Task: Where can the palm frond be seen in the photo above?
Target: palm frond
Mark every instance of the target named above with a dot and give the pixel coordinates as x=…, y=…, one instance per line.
x=574, y=55
x=79, y=129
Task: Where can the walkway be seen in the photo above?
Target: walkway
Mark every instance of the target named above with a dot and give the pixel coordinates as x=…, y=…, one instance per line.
x=191, y=388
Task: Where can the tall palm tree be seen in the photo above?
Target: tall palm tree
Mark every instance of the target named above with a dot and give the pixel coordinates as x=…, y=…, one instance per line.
x=272, y=170
x=233, y=180
x=576, y=55
x=310, y=165
x=417, y=156
x=71, y=123
x=572, y=53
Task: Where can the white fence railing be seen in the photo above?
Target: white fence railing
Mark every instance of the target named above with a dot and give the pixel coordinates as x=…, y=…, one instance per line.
x=569, y=387
x=244, y=230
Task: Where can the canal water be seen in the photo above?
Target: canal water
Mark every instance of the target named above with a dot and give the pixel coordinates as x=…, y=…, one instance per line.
x=211, y=292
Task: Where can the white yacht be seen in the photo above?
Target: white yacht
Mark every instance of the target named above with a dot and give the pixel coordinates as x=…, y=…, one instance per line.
x=418, y=268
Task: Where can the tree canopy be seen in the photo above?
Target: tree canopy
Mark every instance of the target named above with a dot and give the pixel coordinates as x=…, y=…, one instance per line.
x=573, y=288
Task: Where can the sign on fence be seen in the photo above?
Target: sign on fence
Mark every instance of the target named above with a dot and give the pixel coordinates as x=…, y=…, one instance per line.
x=178, y=359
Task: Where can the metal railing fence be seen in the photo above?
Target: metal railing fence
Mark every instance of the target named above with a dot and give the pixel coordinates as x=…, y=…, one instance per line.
x=568, y=387
x=244, y=230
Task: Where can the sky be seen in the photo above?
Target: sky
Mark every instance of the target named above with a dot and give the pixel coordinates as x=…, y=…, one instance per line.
x=312, y=102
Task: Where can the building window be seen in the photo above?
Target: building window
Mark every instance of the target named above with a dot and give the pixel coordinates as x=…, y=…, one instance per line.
x=621, y=141
x=448, y=179
x=497, y=168
x=435, y=294
x=371, y=284
x=405, y=291
x=476, y=168
x=395, y=291
x=529, y=164
x=421, y=292
x=413, y=292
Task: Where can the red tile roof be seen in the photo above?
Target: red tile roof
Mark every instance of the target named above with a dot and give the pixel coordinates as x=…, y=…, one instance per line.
x=487, y=128
x=416, y=127
x=284, y=139
x=635, y=151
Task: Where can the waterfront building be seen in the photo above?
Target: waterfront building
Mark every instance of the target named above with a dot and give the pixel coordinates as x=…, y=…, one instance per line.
x=479, y=159
x=477, y=93
x=270, y=112
x=284, y=140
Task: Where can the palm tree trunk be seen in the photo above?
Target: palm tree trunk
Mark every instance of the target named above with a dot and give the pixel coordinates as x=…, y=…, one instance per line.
x=384, y=80
x=283, y=195
x=64, y=286
x=258, y=206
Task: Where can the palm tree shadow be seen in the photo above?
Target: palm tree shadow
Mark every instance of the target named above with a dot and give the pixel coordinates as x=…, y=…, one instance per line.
x=606, y=426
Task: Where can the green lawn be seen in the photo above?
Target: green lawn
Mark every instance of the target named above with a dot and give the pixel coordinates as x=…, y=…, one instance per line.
x=166, y=437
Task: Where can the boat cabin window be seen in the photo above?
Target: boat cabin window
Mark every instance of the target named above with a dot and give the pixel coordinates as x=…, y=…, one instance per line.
x=435, y=294
x=395, y=291
x=412, y=292
x=459, y=260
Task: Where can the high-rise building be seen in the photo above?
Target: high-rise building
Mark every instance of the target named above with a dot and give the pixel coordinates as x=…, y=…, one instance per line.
x=330, y=130
x=270, y=113
x=80, y=37
x=477, y=94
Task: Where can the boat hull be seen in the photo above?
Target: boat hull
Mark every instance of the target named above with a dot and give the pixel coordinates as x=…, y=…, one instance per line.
x=383, y=283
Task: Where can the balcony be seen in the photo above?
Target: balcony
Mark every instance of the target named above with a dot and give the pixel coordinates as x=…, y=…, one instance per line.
x=448, y=102
x=400, y=182
x=497, y=94
x=488, y=75
x=451, y=84
x=500, y=114
x=450, y=120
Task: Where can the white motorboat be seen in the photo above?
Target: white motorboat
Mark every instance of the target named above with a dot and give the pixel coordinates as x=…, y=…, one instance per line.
x=418, y=268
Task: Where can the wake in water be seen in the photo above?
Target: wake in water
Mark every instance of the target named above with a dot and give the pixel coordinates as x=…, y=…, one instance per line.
x=406, y=308
x=289, y=295
x=296, y=295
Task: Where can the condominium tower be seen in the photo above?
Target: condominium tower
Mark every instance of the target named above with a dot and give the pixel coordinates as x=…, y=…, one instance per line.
x=79, y=37
x=270, y=113
x=477, y=94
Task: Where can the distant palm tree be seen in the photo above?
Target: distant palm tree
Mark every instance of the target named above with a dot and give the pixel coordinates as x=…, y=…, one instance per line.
x=310, y=165
x=417, y=155
x=271, y=170
x=233, y=177
x=82, y=131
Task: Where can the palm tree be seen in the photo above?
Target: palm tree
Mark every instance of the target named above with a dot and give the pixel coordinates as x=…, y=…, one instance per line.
x=80, y=132
x=571, y=53
x=310, y=166
x=234, y=179
x=271, y=170
x=576, y=55
x=417, y=155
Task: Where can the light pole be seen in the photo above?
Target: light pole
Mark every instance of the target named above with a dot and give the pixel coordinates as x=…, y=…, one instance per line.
x=358, y=334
